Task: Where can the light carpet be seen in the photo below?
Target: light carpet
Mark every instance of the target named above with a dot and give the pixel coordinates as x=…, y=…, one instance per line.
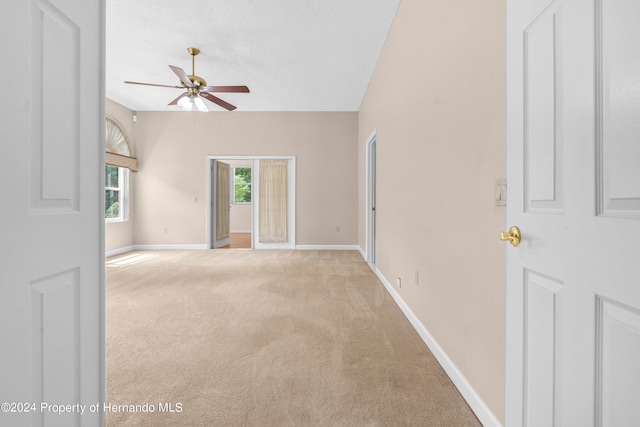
x=265, y=338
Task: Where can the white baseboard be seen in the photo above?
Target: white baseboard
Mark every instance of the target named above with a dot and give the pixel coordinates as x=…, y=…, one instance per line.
x=118, y=251
x=477, y=405
x=204, y=246
x=240, y=231
x=327, y=247
x=362, y=252
x=169, y=247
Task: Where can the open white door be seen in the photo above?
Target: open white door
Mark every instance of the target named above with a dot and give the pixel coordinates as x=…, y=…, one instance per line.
x=220, y=174
x=573, y=287
x=52, y=227
x=371, y=152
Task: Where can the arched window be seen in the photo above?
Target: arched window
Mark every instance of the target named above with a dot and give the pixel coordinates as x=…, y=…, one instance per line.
x=118, y=151
x=119, y=161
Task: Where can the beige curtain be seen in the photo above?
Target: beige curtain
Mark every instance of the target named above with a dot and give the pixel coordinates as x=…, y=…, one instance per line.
x=222, y=201
x=130, y=163
x=273, y=198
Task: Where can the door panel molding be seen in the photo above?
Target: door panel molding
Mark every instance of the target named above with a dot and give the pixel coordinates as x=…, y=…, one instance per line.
x=617, y=346
x=55, y=118
x=55, y=329
x=618, y=132
x=542, y=348
x=543, y=144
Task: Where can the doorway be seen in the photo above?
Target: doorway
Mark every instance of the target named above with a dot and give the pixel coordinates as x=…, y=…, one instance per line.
x=240, y=203
x=370, y=194
x=233, y=202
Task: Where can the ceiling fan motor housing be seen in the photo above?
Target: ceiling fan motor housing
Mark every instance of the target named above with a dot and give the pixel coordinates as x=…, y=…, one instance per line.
x=197, y=82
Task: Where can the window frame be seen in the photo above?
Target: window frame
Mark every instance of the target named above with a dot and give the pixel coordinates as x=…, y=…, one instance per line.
x=233, y=185
x=123, y=195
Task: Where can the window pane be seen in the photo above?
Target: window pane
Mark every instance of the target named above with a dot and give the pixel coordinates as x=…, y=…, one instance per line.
x=243, y=175
x=111, y=177
x=243, y=193
x=242, y=183
x=112, y=204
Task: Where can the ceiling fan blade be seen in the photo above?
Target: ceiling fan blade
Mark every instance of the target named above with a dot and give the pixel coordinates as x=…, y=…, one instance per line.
x=235, y=89
x=152, y=84
x=216, y=100
x=175, y=101
x=184, y=78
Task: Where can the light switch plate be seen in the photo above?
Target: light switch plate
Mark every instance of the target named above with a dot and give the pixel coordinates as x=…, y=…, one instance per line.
x=501, y=192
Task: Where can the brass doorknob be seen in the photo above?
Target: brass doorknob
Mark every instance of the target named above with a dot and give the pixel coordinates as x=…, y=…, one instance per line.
x=513, y=236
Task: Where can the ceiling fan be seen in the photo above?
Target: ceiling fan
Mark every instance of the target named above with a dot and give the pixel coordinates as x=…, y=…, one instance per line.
x=197, y=88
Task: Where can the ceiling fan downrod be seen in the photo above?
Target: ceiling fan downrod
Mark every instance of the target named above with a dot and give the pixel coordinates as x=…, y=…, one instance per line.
x=197, y=81
x=193, y=51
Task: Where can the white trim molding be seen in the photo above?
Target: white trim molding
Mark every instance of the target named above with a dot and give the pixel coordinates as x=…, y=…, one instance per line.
x=475, y=402
x=126, y=249
x=327, y=247
x=118, y=251
x=169, y=247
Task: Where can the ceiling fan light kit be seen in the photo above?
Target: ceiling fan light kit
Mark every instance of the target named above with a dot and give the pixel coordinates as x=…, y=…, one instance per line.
x=189, y=103
x=197, y=88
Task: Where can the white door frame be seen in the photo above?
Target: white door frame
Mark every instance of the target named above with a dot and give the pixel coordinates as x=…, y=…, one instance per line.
x=370, y=195
x=254, y=204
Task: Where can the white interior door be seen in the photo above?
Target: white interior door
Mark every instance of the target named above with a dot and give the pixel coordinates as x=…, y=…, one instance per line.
x=371, y=152
x=573, y=289
x=52, y=216
x=221, y=203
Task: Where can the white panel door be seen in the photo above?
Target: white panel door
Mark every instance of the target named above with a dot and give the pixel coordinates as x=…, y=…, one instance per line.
x=52, y=218
x=573, y=152
x=372, y=163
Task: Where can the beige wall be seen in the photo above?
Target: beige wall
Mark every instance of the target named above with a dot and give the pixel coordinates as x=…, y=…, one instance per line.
x=172, y=148
x=437, y=100
x=240, y=218
x=119, y=235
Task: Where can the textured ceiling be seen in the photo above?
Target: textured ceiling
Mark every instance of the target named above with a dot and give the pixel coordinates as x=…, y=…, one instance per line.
x=295, y=55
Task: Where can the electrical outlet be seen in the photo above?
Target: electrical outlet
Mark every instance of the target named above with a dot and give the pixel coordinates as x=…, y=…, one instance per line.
x=399, y=282
x=165, y=230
